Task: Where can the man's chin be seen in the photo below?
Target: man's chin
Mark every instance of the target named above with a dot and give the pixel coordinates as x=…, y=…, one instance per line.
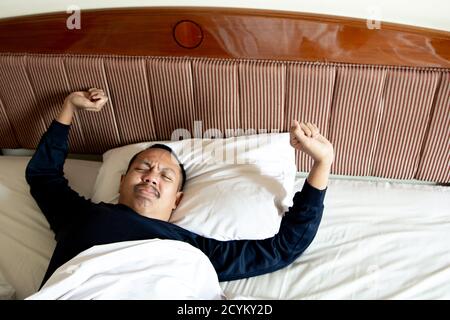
x=146, y=207
x=144, y=201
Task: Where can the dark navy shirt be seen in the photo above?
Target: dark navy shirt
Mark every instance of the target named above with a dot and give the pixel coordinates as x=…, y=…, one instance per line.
x=80, y=224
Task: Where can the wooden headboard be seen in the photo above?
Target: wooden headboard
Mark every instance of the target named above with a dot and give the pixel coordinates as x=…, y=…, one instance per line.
x=379, y=92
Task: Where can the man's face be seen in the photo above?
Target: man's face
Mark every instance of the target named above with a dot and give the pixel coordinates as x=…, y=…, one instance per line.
x=150, y=187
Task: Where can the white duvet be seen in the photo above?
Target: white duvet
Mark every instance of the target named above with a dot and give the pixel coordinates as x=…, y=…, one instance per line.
x=147, y=269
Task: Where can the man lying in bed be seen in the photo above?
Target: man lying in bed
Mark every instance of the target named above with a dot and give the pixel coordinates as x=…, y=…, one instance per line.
x=149, y=192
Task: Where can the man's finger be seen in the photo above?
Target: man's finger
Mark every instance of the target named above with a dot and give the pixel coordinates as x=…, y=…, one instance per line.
x=97, y=96
x=294, y=127
x=298, y=134
x=85, y=102
x=316, y=131
x=313, y=128
x=305, y=128
x=96, y=91
x=101, y=101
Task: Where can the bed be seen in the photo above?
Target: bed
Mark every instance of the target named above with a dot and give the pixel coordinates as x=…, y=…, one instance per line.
x=381, y=96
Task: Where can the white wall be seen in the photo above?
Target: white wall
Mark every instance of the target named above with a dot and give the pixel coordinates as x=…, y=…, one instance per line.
x=424, y=13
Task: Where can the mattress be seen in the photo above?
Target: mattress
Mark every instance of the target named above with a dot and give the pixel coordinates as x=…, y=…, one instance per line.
x=377, y=240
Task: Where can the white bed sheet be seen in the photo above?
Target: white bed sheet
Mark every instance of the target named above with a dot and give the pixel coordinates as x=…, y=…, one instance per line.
x=26, y=242
x=377, y=240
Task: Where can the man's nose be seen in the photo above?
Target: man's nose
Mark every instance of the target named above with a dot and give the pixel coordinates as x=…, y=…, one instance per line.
x=150, y=177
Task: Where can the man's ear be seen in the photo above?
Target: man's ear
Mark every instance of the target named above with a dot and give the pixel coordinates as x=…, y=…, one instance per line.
x=179, y=196
x=122, y=177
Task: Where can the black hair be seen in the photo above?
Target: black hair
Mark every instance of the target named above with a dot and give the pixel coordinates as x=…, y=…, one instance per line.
x=167, y=148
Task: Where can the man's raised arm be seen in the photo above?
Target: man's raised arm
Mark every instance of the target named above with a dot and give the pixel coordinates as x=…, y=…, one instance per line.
x=44, y=172
x=239, y=259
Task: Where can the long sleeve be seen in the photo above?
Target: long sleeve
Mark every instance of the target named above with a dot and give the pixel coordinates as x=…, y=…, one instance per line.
x=106, y=223
x=60, y=204
x=239, y=259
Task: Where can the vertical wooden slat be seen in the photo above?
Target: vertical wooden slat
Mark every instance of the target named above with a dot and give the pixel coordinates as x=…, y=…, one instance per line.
x=216, y=94
x=309, y=96
x=19, y=101
x=49, y=80
x=354, y=118
x=129, y=89
x=435, y=161
x=262, y=95
x=7, y=134
x=170, y=82
x=406, y=112
x=100, y=128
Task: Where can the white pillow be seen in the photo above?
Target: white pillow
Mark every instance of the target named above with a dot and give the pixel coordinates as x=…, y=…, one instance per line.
x=237, y=188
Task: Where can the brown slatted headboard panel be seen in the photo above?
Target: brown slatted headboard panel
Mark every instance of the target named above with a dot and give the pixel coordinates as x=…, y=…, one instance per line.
x=383, y=121
x=434, y=164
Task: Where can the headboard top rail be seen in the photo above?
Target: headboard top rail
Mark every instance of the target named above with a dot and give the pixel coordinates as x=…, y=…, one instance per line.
x=226, y=33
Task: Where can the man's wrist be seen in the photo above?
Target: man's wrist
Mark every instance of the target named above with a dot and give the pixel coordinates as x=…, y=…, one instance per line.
x=324, y=162
x=68, y=105
x=66, y=114
x=318, y=176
